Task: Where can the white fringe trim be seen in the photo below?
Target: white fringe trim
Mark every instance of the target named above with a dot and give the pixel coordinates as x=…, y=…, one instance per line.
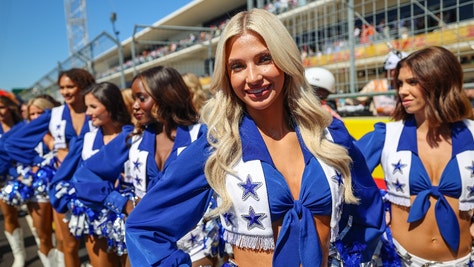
x=334, y=233
x=402, y=201
x=466, y=205
x=252, y=242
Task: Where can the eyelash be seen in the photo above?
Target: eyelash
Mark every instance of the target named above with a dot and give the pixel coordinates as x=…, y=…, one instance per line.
x=410, y=82
x=266, y=58
x=413, y=82
x=140, y=98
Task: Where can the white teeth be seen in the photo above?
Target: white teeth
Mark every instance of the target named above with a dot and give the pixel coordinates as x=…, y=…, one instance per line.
x=256, y=91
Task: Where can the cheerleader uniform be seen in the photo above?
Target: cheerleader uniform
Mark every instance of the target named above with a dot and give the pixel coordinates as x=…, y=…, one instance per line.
x=58, y=123
x=5, y=158
x=394, y=146
x=202, y=240
x=13, y=191
x=94, y=183
x=33, y=186
x=94, y=180
x=260, y=196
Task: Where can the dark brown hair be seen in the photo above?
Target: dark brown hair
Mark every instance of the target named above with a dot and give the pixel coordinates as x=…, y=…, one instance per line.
x=110, y=96
x=82, y=78
x=13, y=107
x=173, y=100
x=440, y=77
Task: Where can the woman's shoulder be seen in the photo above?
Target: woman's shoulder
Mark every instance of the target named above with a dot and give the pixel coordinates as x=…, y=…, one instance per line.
x=58, y=109
x=127, y=128
x=469, y=123
x=338, y=132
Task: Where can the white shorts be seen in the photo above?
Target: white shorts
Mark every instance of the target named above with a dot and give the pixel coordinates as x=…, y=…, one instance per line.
x=39, y=199
x=411, y=260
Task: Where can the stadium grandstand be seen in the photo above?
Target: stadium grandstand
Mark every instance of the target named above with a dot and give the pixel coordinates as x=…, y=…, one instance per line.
x=350, y=38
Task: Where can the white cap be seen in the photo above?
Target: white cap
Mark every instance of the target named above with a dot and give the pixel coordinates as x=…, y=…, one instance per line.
x=392, y=59
x=322, y=78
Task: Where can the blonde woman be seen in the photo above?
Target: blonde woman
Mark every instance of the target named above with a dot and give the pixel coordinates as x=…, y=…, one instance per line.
x=197, y=91
x=128, y=100
x=280, y=165
x=39, y=206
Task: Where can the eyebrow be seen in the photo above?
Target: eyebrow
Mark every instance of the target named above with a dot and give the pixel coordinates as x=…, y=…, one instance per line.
x=259, y=54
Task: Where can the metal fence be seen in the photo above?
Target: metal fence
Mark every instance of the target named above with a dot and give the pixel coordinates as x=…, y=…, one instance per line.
x=349, y=37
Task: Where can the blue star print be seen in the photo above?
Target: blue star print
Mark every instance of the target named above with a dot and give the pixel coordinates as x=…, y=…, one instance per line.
x=398, y=167
x=193, y=239
x=338, y=178
x=398, y=186
x=138, y=180
x=254, y=219
x=471, y=169
x=58, y=126
x=228, y=218
x=471, y=190
x=250, y=189
x=137, y=164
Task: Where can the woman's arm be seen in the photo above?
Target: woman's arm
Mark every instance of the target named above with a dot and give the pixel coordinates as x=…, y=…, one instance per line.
x=21, y=145
x=368, y=223
x=59, y=186
x=5, y=159
x=361, y=225
x=169, y=210
x=95, y=180
x=371, y=145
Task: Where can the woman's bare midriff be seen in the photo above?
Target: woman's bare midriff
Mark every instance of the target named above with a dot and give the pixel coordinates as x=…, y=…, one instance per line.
x=423, y=238
x=263, y=258
x=61, y=154
x=252, y=258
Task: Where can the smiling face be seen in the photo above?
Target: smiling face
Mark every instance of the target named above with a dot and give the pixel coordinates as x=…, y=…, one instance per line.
x=99, y=114
x=69, y=90
x=34, y=112
x=143, y=103
x=254, y=77
x=5, y=113
x=410, y=92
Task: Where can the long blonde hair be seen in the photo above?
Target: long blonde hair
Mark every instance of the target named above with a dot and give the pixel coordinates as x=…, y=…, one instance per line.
x=42, y=102
x=224, y=112
x=196, y=89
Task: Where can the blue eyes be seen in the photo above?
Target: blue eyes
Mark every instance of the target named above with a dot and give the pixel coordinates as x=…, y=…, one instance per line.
x=262, y=60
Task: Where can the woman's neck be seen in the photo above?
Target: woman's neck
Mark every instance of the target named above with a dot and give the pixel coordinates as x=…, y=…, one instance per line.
x=172, y=132
x=7, y=124
x=111, y=128
x=110, y=131
x=432, y=135
x=77, y=107
x=274, y=125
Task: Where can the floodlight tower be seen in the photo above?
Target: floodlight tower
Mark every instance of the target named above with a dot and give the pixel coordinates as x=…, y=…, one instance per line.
x=76, y=22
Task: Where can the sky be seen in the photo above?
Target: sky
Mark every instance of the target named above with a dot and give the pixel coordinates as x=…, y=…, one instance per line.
x=33, y=34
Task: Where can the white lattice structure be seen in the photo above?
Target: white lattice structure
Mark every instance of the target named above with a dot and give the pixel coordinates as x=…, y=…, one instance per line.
x=323, y=29
x=76, y=24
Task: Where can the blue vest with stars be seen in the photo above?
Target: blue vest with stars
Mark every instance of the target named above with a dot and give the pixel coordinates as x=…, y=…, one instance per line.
x=406, y=176
x=261, y=196
x=141, y=165
x=60, y=126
